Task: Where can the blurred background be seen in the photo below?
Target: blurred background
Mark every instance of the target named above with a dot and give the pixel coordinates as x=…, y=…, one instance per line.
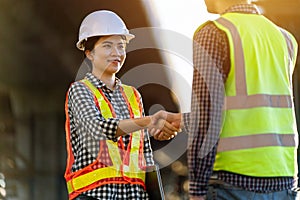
x=38, y=61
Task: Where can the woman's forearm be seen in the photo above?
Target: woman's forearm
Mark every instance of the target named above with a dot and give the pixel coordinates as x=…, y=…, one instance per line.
x=131, y=125
x=161, y=121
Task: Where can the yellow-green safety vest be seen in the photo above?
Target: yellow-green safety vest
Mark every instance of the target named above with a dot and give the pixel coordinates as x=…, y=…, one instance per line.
x=259, y=134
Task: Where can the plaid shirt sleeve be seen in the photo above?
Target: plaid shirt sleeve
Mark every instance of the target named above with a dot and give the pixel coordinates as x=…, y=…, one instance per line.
x=209, y=58
x=86, y=113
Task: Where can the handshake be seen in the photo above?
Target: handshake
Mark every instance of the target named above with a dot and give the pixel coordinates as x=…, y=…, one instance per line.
x=165, y=125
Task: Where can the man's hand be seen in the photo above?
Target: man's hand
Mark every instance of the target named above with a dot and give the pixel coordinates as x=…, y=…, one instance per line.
x=165, y=125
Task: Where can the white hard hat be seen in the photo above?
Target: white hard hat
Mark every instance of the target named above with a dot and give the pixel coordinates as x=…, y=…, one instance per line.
x=102, y=23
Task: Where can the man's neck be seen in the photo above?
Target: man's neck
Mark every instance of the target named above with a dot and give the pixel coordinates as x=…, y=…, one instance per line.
x=224, y=5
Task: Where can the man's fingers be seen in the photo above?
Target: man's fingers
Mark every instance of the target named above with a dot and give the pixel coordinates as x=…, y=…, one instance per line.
x=161, y=136
x=169, y=128
x=156, y=136
x=153, y=131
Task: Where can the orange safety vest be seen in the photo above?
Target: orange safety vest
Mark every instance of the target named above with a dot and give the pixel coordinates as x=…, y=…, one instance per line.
x=127, y=170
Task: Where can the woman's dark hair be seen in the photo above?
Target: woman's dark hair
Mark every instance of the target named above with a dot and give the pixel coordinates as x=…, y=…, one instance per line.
x=89, y=44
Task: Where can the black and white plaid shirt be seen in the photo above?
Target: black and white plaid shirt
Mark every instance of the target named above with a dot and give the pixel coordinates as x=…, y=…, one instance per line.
x=212, y=60
x=88, y=127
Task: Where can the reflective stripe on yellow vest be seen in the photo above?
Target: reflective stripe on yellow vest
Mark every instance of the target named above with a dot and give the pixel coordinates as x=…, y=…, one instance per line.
x=128, y=171
x=259, y=134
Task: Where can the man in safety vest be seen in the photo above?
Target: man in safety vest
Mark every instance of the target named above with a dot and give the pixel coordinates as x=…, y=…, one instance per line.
x=243, y=135
x=108, y=149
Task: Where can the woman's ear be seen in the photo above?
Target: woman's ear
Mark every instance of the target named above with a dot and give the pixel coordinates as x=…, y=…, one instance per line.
x=89, y=55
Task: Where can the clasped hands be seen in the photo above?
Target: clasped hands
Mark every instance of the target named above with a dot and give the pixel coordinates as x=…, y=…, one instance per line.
x=165, y=125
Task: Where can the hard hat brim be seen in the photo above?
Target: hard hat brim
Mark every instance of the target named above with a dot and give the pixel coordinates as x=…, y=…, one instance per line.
x=80, y=46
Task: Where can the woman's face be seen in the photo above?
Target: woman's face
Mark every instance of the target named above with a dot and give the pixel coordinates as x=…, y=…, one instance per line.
x=108, y=55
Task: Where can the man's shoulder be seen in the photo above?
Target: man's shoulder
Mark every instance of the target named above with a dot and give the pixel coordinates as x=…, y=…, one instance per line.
x=207, y=28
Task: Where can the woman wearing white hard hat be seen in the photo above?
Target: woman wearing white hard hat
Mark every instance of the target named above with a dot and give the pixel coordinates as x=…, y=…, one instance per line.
x=108, y=147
